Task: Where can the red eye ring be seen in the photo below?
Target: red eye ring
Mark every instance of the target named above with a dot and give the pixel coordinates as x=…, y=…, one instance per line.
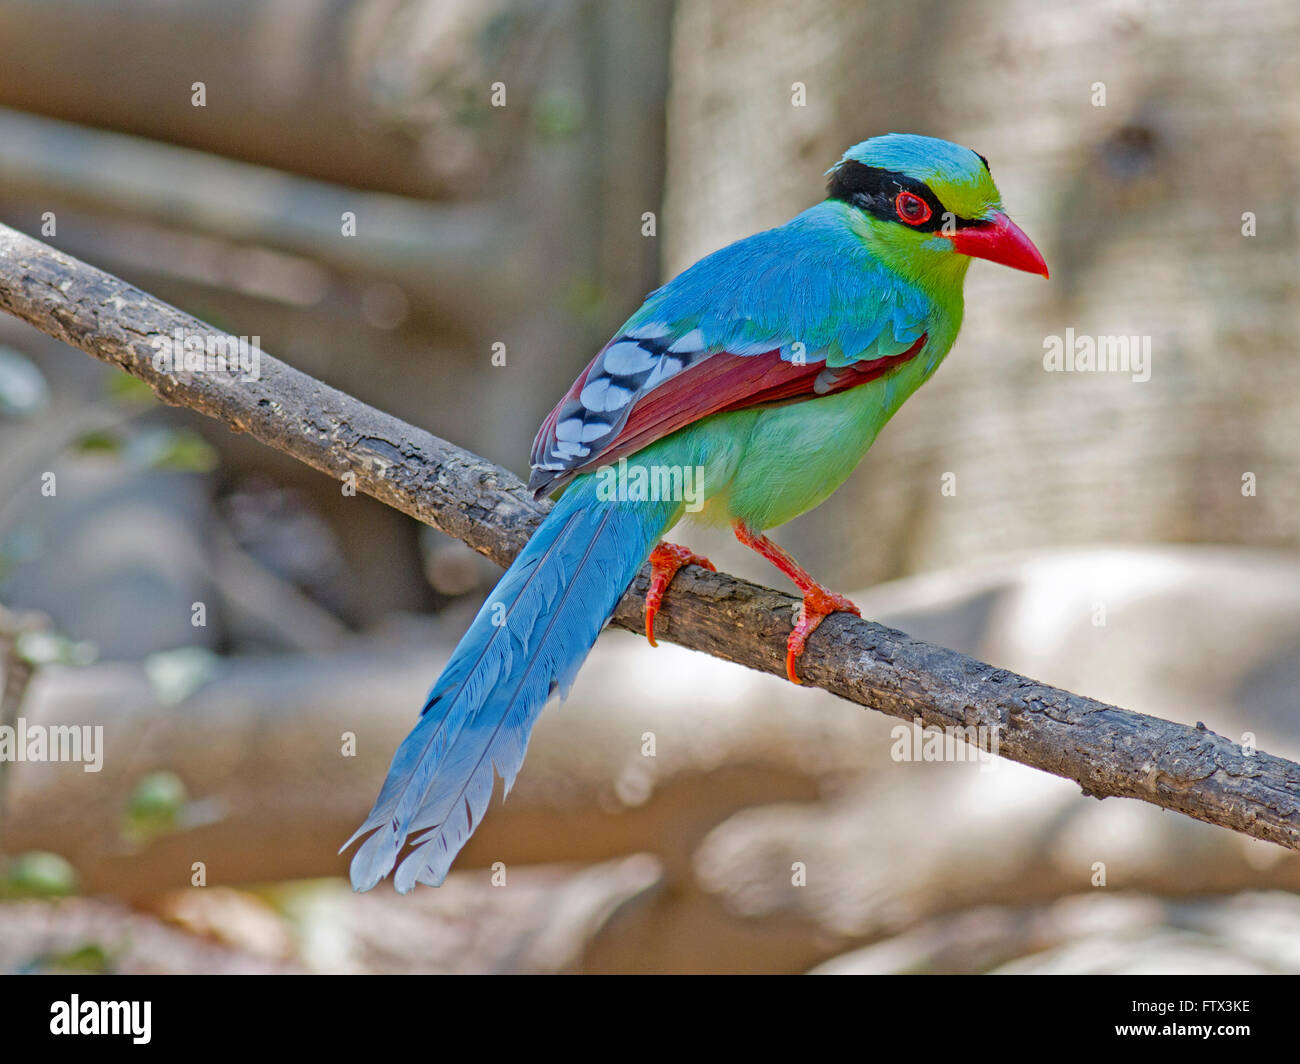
x=911, y=208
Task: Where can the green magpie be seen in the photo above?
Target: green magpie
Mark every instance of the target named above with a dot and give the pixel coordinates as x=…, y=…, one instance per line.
x=760, y=375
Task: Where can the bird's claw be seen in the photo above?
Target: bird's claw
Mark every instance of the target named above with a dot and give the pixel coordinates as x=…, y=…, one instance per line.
x=665, y=560
x=818, y=604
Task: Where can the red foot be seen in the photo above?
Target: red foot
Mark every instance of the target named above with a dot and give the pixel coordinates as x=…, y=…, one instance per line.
x=665, y=560
x=818, y=604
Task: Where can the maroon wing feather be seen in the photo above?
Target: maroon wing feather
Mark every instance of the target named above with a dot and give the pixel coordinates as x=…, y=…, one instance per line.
x=665, y=391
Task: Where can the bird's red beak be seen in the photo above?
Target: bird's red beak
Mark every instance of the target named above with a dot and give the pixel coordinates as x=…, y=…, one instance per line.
x=999, y=240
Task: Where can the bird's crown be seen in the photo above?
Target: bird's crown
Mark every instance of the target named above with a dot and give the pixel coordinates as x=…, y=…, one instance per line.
x=946, y=176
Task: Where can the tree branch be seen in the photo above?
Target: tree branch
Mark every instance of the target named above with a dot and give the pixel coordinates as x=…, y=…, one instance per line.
x=1107, y=750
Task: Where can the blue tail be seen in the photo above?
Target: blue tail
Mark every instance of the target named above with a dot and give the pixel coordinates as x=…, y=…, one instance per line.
x=529, y=639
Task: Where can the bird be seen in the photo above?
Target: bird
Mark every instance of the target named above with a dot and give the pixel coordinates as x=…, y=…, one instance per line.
x=759, y=376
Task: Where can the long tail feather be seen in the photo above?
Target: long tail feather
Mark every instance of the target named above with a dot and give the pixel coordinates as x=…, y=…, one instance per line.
x=527, y=642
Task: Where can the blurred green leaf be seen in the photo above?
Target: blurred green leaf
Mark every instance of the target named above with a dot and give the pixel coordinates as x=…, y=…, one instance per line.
x=154, y=807
x=91, y=958
x=559, y=114
x=159, y=794
x=37, y=874
x=177, y=674
x=183, y=450
x=23, y=390
x=160, y=804
x=130, y=389
x=52, y=648
x=98, y=441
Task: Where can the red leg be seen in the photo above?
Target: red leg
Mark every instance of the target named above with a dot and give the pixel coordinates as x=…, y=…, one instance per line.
x=665, y=560
x=818, y=602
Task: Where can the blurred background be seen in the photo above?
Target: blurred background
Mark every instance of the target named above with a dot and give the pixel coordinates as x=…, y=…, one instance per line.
x=254, y=643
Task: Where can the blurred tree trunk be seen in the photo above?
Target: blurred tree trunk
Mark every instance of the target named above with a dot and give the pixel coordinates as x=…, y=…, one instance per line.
x=375, y=94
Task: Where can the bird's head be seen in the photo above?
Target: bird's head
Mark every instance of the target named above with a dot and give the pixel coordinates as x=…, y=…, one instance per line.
x=927, y=206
